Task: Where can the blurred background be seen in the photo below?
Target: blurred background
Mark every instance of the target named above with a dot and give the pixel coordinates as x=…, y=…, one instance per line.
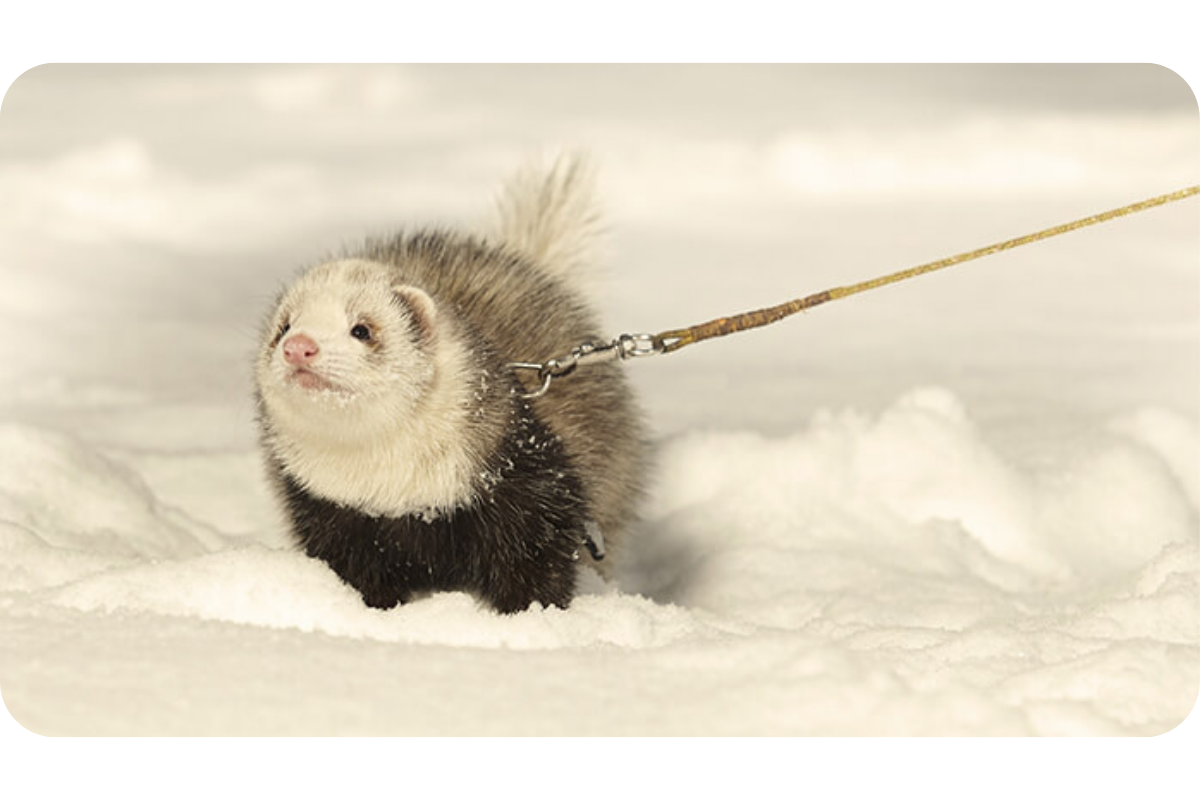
x=150, y=213
x=966, y=503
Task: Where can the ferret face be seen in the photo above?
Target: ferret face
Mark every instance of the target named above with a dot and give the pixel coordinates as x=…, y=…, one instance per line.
x=349, y=349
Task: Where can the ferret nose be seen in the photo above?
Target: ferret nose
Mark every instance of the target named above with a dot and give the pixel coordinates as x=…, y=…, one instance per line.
x=299, y=350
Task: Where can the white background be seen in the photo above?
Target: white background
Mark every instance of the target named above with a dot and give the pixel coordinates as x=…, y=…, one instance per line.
x=961, y=505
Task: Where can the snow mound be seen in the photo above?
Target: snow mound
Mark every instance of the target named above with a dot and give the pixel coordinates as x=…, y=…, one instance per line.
x=865, y=574
x=920, y=490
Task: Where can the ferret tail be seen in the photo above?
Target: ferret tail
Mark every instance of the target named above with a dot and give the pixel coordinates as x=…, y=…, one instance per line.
x=551, y=215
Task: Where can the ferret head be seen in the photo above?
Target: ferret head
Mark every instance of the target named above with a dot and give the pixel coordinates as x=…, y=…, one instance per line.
x=349, y=350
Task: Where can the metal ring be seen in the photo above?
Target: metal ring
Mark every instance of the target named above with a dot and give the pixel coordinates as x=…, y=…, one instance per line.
x=541, y=390
x=543, y=372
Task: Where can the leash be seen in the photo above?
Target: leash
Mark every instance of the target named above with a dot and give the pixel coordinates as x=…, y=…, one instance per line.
x=628, y=346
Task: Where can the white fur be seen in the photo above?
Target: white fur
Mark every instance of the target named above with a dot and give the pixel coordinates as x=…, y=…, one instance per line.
x=388, y=440
x=552, y=216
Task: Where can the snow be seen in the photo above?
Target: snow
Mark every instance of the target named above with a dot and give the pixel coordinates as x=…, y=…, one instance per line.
x=965, y=505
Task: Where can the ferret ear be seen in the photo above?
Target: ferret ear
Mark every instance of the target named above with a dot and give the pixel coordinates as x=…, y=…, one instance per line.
x=421, y=309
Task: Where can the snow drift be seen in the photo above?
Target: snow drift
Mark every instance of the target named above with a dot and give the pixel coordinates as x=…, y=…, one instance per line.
x=866, y=574
x=968, y=504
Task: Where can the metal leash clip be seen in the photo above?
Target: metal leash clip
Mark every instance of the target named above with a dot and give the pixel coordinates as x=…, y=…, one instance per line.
x=624, y=346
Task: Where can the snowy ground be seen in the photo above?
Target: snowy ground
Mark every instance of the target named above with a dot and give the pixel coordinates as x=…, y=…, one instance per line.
x=964, y=505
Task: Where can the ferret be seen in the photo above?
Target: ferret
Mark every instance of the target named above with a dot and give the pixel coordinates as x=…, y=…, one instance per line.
x=402, y=446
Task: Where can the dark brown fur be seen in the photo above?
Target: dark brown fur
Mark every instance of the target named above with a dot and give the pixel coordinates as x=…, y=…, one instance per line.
x=516, y=544
x=552, y=463
x=524, y=314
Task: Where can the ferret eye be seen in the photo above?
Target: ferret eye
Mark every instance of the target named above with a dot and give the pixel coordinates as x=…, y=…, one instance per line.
x=361, y=332
x=287, y=326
